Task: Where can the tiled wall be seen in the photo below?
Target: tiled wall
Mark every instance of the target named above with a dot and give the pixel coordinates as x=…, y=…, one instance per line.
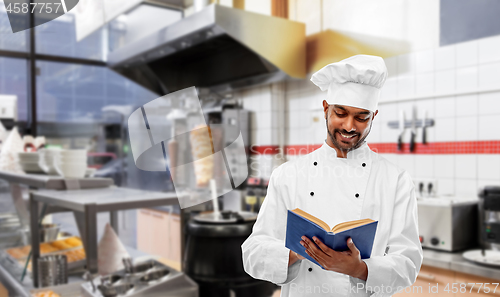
x=458, y=86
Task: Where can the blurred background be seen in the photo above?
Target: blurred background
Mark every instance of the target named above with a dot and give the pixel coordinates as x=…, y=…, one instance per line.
x=74, y=81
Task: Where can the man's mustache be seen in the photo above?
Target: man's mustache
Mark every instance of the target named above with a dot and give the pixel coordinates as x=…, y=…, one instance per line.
x=346, y=133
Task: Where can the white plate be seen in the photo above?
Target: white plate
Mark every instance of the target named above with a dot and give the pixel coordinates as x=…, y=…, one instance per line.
x=490, y=258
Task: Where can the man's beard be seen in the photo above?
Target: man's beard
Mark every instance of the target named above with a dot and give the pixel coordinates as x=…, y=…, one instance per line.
x=341, y=146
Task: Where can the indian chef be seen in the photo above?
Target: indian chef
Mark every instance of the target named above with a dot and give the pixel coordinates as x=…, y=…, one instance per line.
x=341, y=181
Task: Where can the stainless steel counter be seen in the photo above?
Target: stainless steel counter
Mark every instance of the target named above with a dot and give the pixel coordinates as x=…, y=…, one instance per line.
x=455, y=262
x=86, y=204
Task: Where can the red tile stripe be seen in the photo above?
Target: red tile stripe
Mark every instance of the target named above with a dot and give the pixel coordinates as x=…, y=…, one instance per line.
x=435, y=148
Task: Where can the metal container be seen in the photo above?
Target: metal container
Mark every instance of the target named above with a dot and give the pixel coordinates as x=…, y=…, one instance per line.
x=213, y=255
x=48, y=232
x=52, y=270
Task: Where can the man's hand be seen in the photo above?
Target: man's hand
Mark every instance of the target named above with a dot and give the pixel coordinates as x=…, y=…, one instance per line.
x=347, y=262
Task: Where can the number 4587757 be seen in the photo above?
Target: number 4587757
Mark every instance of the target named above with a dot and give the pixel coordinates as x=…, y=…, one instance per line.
x=32, y=7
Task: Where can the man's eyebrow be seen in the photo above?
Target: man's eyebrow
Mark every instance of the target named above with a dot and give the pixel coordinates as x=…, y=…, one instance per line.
x=358, y=113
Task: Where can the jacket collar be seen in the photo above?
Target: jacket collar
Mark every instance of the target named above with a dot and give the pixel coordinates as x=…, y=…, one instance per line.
x=361, y=153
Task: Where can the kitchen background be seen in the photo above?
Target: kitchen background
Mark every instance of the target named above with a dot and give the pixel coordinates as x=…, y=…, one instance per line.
x=443, y=59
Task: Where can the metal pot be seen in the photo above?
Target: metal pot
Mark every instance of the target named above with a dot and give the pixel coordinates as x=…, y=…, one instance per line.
x=48, y=232
x=213, y=256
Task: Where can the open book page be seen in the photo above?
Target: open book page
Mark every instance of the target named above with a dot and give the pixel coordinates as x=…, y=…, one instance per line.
x=337, y=228
x=312, y=218
x=350, y=225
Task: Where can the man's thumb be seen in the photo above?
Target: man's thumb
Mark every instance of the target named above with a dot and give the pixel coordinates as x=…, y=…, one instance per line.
x=351, y=246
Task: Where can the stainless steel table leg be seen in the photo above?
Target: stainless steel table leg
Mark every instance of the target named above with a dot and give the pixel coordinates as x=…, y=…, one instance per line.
x=17, y=197
x=35, y=240
x=80, y=223
x=91, y=237
x=113, y=220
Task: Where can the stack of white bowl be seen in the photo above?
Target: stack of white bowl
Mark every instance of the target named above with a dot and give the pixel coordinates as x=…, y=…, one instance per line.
x=47, y=160
x=71, y=163
x=29, y=162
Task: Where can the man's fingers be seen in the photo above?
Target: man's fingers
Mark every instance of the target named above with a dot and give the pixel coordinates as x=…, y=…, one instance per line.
x=352, y=247
x=322, y=246
x=313, y=249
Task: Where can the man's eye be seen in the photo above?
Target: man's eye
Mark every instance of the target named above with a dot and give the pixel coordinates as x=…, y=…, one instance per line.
x=362, y=120
x=340, y=114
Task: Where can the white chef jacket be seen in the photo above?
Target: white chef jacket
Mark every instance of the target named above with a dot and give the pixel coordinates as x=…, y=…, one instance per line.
x=335, y=190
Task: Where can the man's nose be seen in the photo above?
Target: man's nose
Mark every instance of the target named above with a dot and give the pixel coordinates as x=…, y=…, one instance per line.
x=349, y=124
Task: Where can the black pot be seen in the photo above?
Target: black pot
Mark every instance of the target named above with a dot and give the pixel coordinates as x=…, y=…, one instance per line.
x=213, y=256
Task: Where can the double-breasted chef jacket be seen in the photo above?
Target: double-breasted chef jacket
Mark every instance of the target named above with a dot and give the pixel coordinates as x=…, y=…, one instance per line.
x=336, y=190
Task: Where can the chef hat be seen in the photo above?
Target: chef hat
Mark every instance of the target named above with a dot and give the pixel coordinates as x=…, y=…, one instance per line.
x=355, y=81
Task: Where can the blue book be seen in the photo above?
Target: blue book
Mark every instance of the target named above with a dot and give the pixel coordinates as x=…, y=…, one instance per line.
x=300, y=223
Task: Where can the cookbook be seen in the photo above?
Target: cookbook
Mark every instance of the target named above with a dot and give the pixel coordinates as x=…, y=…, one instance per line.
x=300, y=223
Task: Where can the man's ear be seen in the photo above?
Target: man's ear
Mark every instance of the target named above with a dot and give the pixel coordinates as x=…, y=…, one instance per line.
x=325, y=108
x=374, y=114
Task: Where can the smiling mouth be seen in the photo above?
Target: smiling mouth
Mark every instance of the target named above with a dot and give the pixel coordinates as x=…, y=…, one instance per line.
x=347, y=138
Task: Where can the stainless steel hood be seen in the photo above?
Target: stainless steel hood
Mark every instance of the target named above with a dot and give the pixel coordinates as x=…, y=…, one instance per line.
x=218, y=48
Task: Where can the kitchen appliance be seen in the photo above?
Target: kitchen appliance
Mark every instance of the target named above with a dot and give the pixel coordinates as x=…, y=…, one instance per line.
x=489, y=218
x=145, y=279
x=219, y=49
x=213, y=256
x=447, y=223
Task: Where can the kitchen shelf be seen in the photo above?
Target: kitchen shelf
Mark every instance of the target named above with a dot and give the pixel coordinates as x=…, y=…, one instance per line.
x=86, y=204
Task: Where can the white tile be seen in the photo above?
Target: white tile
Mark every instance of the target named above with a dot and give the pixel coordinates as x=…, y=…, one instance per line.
x=426, y=104
x=424, y=61
x=294, y=104
x=424, y=166
x=444, y=81
x=392, y=66
x=466, y=128
x=466, y=188
x=264, y=137
x=293, y=119
x=263, y=120
x=374, y=136
x=467, y=53
x=488, y=166
x=444, y=166
x=294, y=137
x=466, y=166
x=406, y=64
x=407, y=162
x=266, y=99
x=445, y=107
x=445, y=187
x=406, y=86
x=424, y=83
x=467, y=105
x=481, y=183
x=467, y=78
x=489, y=103
x=390, y=89
x=387, y=112
x=305, y=119
x=488, y=127
x=444, y=57
x=489, y=75
x=445, y=129
x=388, y=134
x=489, y=49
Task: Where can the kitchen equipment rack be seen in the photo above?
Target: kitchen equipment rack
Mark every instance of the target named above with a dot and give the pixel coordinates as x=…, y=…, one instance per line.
x=86, y=204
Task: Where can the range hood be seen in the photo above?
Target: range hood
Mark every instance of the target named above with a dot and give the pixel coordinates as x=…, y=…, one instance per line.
x=219, y=49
